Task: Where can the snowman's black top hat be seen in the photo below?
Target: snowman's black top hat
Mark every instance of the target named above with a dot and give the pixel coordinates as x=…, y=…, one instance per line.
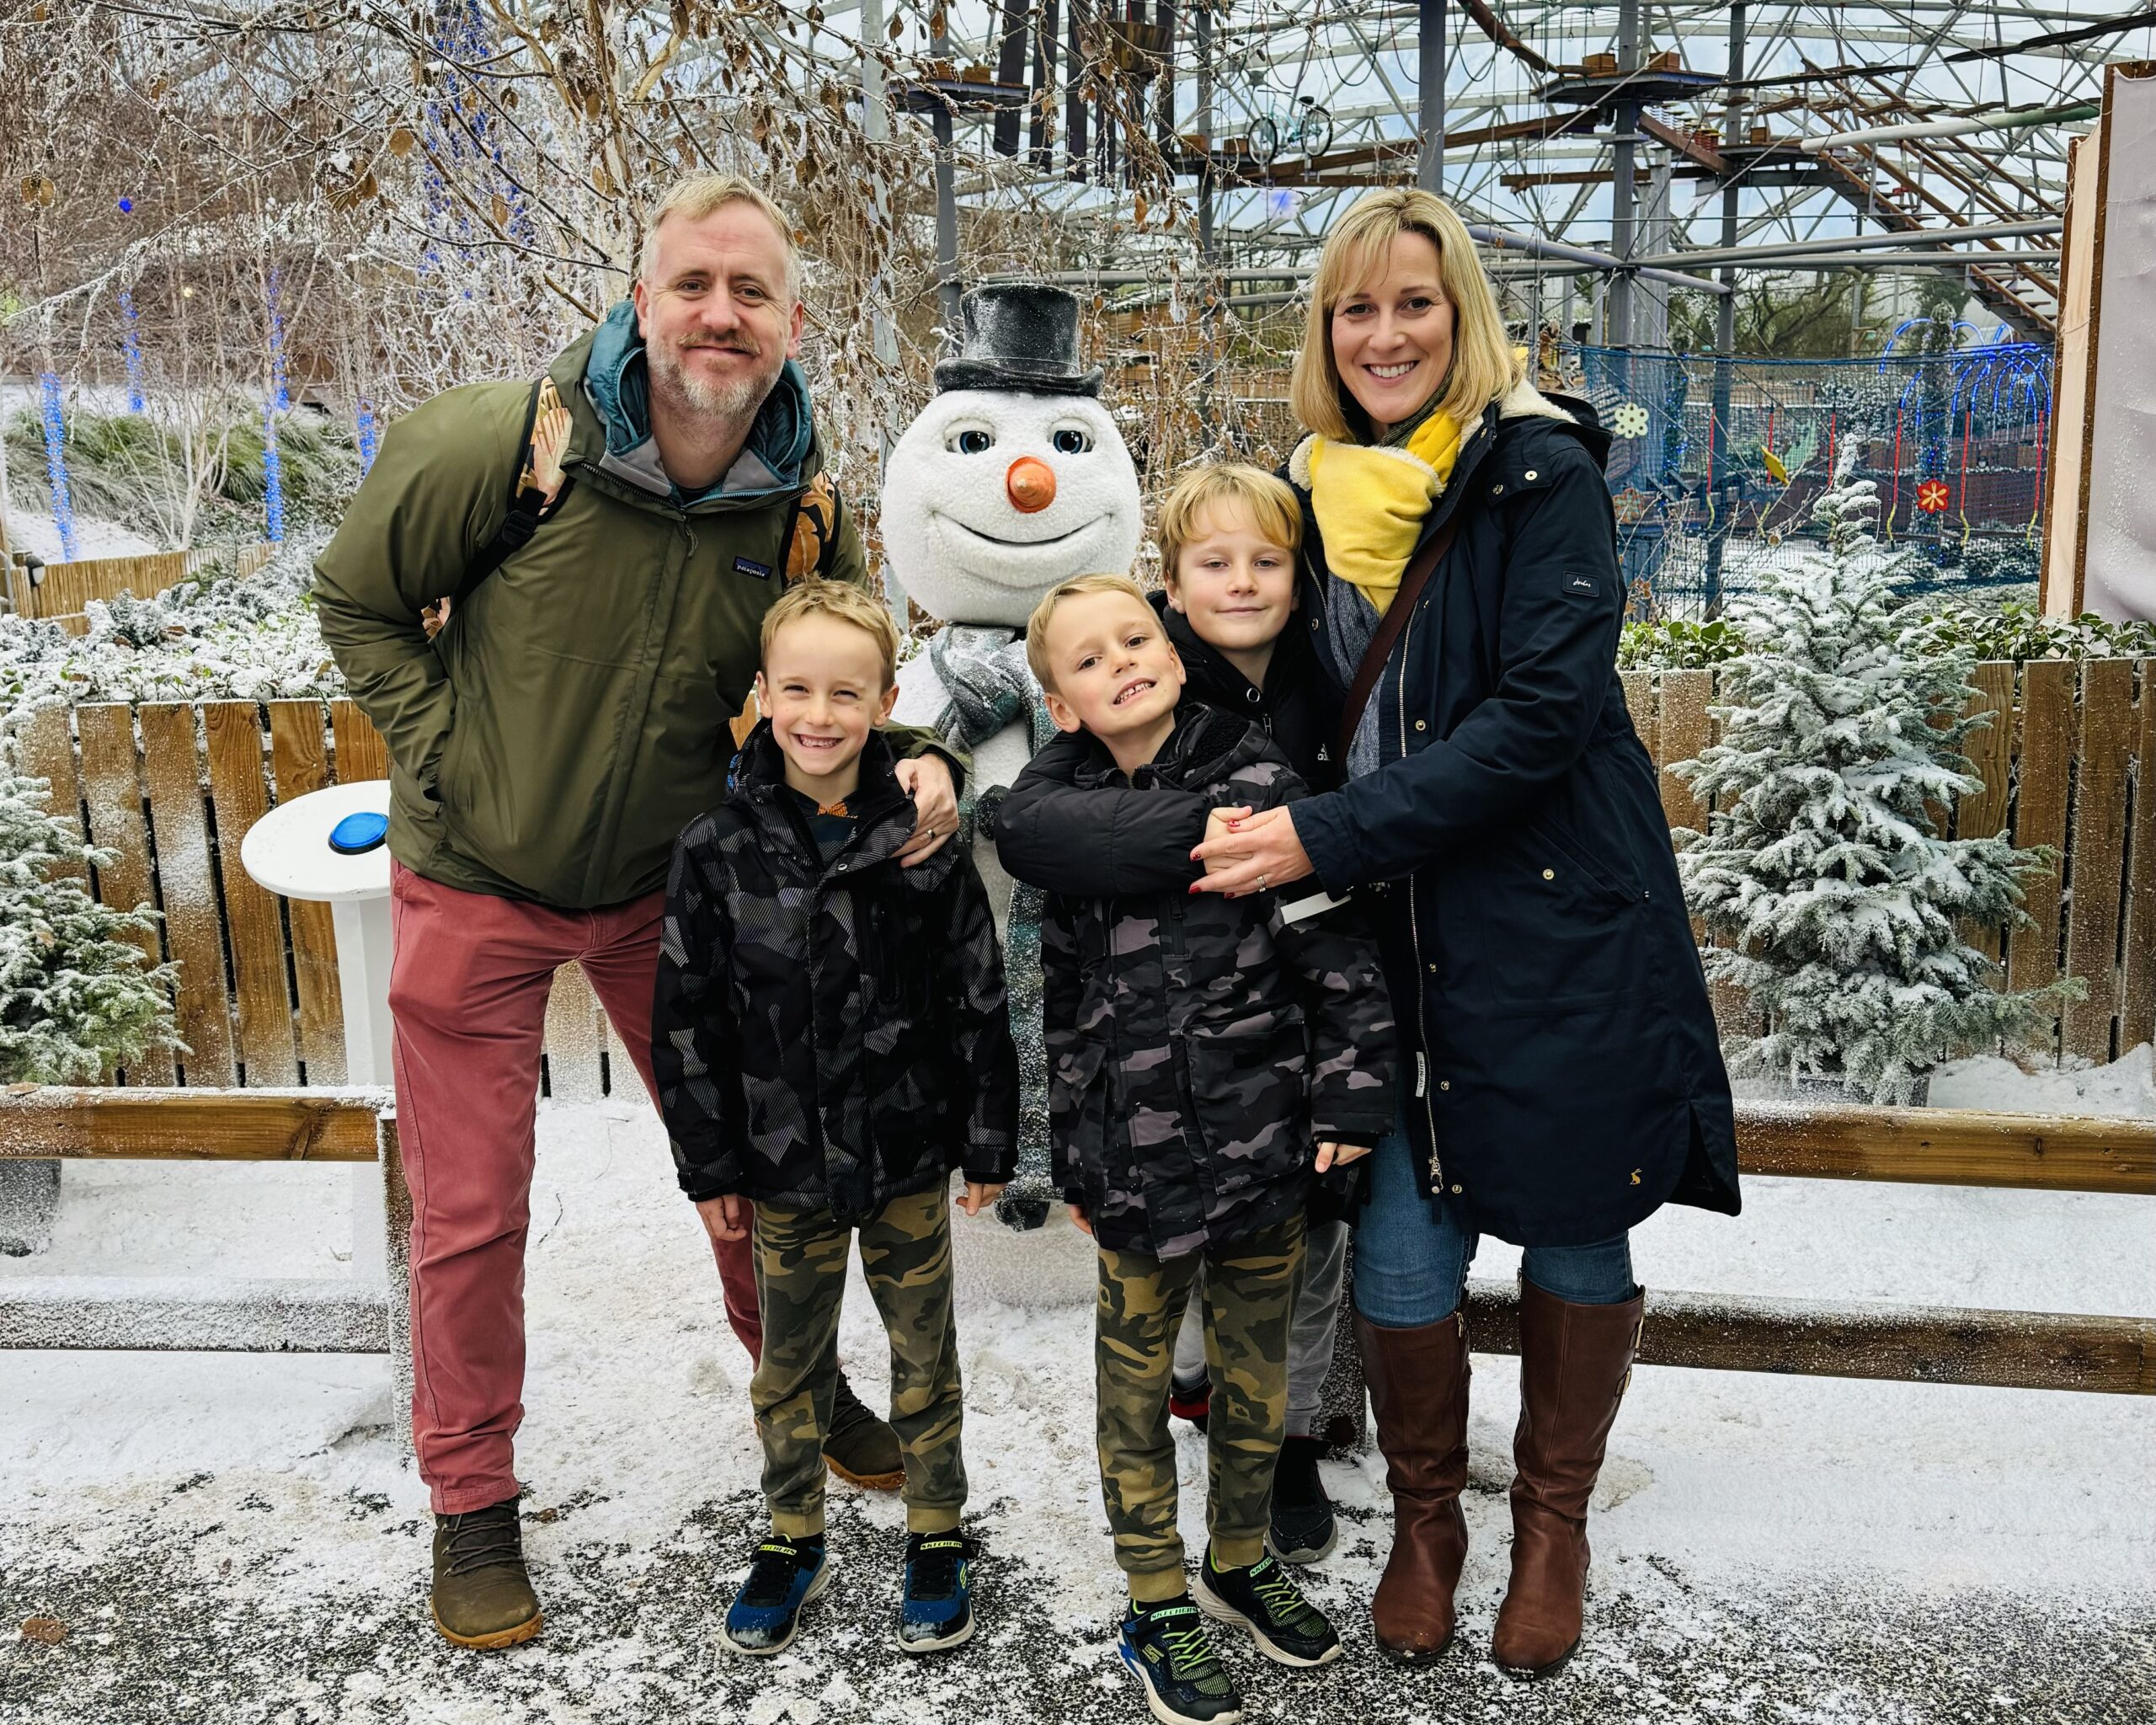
x=1020, y=335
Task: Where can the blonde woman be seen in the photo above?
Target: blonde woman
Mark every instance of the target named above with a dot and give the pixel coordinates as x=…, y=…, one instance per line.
x=1460, y=582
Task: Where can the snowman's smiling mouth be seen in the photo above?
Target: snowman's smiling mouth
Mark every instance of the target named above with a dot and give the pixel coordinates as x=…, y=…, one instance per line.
x=1008, y=544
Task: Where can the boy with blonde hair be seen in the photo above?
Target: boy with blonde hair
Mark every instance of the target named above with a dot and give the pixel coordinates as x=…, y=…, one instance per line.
x=1209, y=1058
x=1228, y=537
x=831, y=1041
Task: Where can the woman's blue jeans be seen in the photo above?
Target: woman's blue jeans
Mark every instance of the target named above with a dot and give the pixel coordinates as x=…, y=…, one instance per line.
x=1411, y=1255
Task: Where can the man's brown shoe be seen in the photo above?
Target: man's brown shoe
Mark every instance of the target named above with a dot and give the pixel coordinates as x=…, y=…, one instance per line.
x=483, y=1597
x=861, y=1449
x=1574, y=1363
x=1419, y=1392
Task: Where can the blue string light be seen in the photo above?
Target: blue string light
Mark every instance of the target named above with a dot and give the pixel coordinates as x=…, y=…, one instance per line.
x=368, y=436
x=280, y=397
x=56, y=464
x=273, y=478
x=131, y=341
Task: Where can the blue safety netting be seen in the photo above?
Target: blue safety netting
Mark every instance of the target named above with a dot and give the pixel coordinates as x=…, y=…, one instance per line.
x=1957, y=441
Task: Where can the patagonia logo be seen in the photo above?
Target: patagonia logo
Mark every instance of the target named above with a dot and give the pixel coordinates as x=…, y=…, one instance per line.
x=749, y=566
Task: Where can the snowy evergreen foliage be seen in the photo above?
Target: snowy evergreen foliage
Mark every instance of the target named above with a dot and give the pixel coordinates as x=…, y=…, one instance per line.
x=211, y=637
x=77, y=997
x=1825, y=878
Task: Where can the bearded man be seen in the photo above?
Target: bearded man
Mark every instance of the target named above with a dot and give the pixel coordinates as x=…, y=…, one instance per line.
x=610, y=539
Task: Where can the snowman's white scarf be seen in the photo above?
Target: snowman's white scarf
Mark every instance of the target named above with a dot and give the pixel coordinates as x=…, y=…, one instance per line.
x=984, y=670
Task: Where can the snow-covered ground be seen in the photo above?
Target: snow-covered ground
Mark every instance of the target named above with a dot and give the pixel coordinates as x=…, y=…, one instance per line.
x=231, y=1538
x=40, y=535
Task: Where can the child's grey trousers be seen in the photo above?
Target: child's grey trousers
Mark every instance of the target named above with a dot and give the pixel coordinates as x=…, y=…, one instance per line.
x=1310, y=1339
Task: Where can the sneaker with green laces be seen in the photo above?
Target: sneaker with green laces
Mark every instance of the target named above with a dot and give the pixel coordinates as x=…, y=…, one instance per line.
x=1264, y=1600
x=937, y=1608
x=1168, y=1651
x=785, y=1576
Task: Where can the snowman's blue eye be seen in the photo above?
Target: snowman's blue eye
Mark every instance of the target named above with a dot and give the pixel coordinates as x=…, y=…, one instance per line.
x=973, y=442
x=1069, y=441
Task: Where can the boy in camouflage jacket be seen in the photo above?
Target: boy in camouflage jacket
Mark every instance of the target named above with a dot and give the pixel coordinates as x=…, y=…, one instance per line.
x=1209, y=1057
x=830, y=1039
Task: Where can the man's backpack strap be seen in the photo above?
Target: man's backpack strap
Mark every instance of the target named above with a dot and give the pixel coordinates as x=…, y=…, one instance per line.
x=811, y=545
x=529, y=500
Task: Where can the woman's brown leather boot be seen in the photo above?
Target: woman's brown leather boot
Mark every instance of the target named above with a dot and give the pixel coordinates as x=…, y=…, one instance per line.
x=1418, y=1390
x=1574, y=1363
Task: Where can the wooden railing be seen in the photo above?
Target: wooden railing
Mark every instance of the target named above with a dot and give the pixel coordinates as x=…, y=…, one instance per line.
x=1831, y=1336
x=255, y=1315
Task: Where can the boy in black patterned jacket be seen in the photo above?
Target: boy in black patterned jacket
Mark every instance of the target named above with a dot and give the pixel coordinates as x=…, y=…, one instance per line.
x=1209, y=1058
x=831, y=1040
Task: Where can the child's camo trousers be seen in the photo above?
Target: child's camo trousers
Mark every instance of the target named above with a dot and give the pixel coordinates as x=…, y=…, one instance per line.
x=905, y=1253
x=1249, y=1298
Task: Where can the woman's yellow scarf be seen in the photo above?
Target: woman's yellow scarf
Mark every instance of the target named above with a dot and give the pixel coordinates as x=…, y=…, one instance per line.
x=1370, y=501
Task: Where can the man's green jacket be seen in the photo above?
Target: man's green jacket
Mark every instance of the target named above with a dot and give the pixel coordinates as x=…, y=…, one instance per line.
x=571, y=718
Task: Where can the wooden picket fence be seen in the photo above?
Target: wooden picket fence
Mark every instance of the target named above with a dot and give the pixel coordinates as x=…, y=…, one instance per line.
x=2069, y=763
x=65, y=589
x=172, y=787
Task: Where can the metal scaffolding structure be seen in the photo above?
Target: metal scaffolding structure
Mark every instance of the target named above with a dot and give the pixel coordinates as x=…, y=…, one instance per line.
x=1660, y=148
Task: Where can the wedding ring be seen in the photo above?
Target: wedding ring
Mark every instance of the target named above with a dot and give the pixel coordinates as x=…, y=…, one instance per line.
x=1261, y=882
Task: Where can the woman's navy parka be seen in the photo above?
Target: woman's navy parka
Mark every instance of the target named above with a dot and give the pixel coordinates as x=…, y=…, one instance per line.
x=1568, y=1080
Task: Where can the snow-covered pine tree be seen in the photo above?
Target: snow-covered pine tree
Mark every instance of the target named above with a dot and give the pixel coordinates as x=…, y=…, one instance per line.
x=77, y=998
x=1825, y=879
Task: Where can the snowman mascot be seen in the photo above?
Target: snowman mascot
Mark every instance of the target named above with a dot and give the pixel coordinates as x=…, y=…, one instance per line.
x=1013, y=479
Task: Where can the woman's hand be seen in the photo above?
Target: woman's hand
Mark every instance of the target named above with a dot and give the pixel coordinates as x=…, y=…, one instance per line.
x=1257, y=853
x=1338, y=1155
x=926, y=778
x=979, y=1195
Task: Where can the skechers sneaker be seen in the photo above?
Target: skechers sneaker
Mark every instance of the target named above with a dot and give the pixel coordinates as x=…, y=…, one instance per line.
x=1264, y=1600
x=784, y=1575
x=1168, y=1651
x=936, y=1610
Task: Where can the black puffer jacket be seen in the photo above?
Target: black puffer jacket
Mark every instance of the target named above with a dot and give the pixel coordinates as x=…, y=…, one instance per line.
x=1198, y=1047
x=1075, y=842
x=828, y=1035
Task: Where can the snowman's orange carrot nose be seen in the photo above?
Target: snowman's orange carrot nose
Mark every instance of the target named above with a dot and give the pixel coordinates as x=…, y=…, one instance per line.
x=1031, y=483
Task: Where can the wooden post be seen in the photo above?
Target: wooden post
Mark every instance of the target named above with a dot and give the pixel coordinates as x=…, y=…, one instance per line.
x=396, y=1217
x=2103, y=756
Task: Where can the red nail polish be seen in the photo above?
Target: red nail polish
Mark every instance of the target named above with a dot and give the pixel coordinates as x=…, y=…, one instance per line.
x=1194, y=886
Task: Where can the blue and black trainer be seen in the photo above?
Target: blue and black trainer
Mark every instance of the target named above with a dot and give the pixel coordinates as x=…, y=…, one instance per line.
x=936, y=1610
x=1264, y=1600
x=784, y=1575
x=1167, y=1650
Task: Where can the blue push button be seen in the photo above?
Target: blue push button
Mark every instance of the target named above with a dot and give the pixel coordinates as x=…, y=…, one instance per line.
x=355, y=835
